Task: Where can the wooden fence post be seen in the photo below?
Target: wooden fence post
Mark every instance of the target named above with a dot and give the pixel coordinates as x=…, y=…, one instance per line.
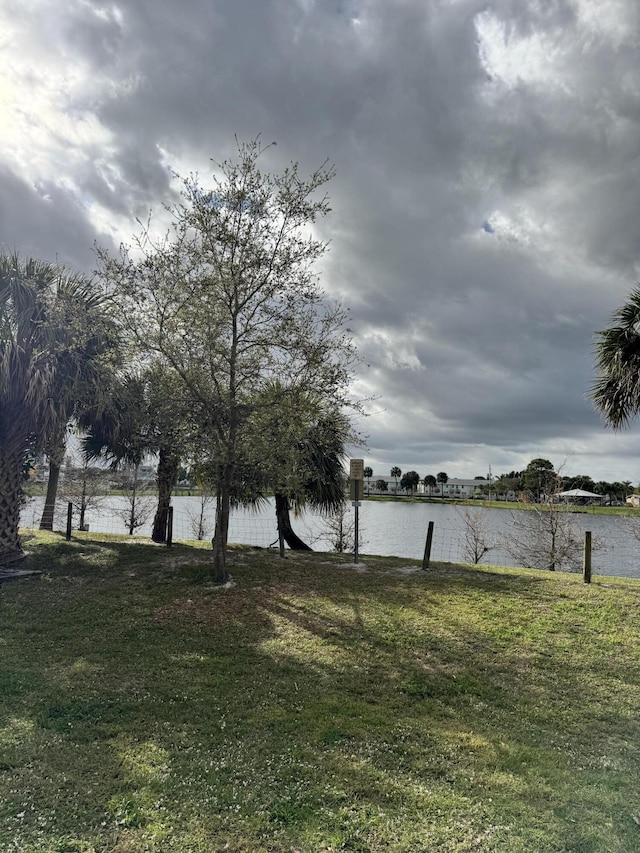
x=586, y=563
x=69, y=518
x=427, y=546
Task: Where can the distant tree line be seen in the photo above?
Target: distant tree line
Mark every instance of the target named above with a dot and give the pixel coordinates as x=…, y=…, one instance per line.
x=534, y=484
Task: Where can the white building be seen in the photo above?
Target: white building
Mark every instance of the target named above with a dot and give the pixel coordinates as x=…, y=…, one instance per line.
x=457, y=488
x=454, y=489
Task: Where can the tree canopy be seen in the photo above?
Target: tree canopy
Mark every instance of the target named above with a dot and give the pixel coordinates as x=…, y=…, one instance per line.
x=230, y=301
x=51, y=340
x=616, y=391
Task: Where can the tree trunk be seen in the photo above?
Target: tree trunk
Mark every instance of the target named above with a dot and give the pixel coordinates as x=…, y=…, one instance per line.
x=219, y=572
x=10, y=500
x=167, y=477
x=56, y=457
x=284, y=525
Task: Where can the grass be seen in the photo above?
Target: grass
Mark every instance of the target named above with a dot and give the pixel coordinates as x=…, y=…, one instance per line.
x=313, y=707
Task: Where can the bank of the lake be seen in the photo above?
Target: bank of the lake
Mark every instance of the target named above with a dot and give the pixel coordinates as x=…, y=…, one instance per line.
x=388, y=527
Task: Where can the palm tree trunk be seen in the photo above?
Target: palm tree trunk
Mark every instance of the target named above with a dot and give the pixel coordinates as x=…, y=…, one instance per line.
x=167, y=478
x=284, y=525
x=56, y=457
x=10, y=500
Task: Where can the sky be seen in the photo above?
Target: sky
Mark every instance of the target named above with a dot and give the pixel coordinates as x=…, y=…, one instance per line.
x=485, y=216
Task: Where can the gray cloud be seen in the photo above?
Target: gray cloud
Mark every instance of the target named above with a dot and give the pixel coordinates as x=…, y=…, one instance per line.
x=484, y=209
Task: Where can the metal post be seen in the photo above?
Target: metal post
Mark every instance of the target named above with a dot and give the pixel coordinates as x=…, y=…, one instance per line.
x=357, y=533
x=586, y=564
x=170, y=527
x=69, y=518
x=427, y=546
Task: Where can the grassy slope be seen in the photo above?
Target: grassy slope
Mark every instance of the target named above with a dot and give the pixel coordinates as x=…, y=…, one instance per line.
x=312, y=707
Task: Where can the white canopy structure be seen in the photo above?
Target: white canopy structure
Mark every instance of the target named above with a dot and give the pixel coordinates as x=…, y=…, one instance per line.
x=578, y=494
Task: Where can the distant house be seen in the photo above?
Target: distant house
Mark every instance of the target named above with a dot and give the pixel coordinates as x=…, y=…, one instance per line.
x=370, y=485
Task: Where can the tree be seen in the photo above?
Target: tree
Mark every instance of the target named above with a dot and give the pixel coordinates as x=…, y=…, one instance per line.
x=84, y=487
x=139, y=505
x=47, y=345
x=539, y=479
x=145, y=413
x=395, y=473
x=340, y=529
x=511, y=482
x=475, y=541
x=430, y=483
x=381, y=486
x=229, y=300
x=296, y=451
x=442, y=478
x=410, y=481
x=616, y=391
x=545, y=538
x=368, y=473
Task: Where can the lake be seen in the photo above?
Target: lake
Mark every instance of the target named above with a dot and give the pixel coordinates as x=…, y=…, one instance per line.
x=386, y=527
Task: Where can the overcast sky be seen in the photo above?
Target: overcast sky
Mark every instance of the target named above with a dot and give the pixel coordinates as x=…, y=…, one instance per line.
x=485, y=212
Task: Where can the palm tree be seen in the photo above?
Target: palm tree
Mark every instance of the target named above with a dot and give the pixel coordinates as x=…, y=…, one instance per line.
x=321, y=455
x=616, y=391
x=46, y=343
x=430, y=482
x=368, y=473
x=395, y=473
x=442, y=478
x=145, y=415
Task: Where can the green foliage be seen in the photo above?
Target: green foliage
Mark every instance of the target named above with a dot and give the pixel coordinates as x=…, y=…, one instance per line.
x=539, y=479
x=54, y=340
x=410, y=481
x=229, y=299
x=616, y=391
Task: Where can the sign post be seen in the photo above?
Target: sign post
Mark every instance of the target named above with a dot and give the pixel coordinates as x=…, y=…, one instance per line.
x=356, y=481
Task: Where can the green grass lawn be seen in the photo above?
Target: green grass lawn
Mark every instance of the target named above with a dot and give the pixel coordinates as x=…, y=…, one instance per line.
x=313, y=707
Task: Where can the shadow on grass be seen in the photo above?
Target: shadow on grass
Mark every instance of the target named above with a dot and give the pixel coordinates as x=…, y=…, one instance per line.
x=310, y=701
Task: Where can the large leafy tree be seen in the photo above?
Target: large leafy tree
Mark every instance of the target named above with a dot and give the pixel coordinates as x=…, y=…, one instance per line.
x=229, y=299
x=616, y=391
x=430, y=483
x=539, y=479
x=47, y=344
x=410, y=481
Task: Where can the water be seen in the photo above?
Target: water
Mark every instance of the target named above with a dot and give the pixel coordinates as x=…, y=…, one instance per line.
x=387, y=528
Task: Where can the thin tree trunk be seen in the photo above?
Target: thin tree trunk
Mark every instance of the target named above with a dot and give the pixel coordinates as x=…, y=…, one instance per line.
x=10, y=500
x=167, y=477
x=56, y=457
x=219, y=572
x=284, y=525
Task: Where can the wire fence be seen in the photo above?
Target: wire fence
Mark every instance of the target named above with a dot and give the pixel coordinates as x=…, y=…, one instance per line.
x=521, y=539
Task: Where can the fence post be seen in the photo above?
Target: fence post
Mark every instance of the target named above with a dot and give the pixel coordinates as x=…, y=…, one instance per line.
x=586, y=563
x=427, y=547
x=169, y=527
x=69, y=518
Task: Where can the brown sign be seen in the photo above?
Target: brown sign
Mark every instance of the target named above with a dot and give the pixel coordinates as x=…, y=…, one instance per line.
x=356, y=469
